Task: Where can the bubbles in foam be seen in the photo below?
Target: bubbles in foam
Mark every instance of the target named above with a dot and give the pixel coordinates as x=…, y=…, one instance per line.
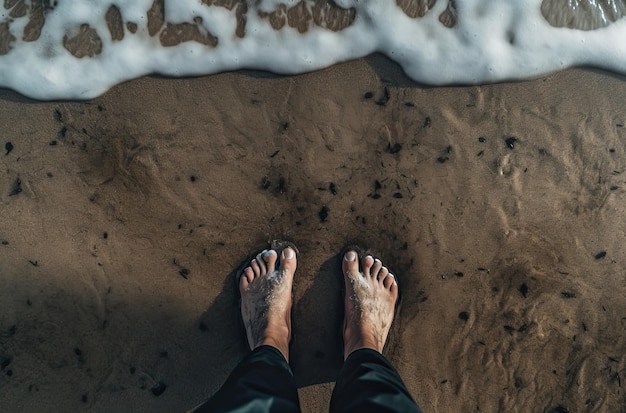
x=52, y=49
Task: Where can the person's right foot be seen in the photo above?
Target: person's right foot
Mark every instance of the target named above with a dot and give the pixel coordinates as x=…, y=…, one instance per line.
x=370, y=300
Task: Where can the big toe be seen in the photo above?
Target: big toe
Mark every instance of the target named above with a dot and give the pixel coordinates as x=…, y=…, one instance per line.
x=288, y=260
x=350, y=263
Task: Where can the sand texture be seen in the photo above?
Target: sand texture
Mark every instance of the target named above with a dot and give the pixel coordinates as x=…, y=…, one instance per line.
x=501, y=209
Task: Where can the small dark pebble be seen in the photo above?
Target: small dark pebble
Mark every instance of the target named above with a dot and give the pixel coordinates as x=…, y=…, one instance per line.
x=568, y=294
x=184, y=272
x=284, y=126
x=57, y=115
x=132, y=370
x=105, y=235
x=482, y=139
x=377, y=185
x=202, y=326
x=560, y=409
x=84, y=398
x=523, y=289
x=193, y=178
x=368, y=95
x=274, y=154
x=614, y=188
x=52, y=143
x=62, y=132
x=159, y=389
x=332, y=188
x=265, y=183
x=448, y=149
x=464, y=315
x=600, y=255
x=480, y=153
x=612, y=150
x=442, y=159
x=427, y=122
x=443, y=381
x=374, y=196
x=523, y=328
x=509, y=329
x=100, y=108
x=164, y=355
x=49, y=174
x=5, y=242
x=459, y=274
x=397, y=195
x=17, y=187
x=409, y=104
x=8, y=147
x=323, y=214
x=510, y=142
x=394, y=149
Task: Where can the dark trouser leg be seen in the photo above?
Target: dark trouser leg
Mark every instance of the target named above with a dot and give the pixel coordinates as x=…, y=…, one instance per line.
x=368, y=383
x=261, y=383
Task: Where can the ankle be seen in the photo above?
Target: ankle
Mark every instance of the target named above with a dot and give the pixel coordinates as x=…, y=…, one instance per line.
x=364, y=341
x=280, y=345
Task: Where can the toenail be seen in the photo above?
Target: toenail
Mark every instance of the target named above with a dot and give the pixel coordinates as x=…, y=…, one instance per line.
x=390, y=275
x=350, y=256
x=288, y=253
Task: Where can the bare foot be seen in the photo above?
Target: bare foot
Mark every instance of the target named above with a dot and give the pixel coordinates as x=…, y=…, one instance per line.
x=266, y=299
x=369, y=304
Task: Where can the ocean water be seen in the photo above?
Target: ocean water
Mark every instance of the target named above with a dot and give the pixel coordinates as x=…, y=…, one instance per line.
x=77, y=49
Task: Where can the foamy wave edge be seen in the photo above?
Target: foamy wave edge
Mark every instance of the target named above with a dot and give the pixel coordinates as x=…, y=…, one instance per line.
x=61, y=49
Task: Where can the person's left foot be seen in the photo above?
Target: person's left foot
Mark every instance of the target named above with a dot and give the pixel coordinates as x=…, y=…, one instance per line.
x=266, y=299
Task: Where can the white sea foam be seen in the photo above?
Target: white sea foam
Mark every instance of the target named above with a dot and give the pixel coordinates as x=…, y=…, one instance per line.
x=491, y=40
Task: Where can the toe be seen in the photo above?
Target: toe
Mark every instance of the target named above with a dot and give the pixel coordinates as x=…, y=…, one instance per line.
x=350, y=265
x=256, y=268
x=270, y=257
x=260, y=260
x=376, y=267
x=288, y=260
x=247, y=276
x=367, y=262
x=382, y=274
x=388, y=281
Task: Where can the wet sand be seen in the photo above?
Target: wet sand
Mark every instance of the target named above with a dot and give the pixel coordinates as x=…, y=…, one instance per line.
x=500, y=208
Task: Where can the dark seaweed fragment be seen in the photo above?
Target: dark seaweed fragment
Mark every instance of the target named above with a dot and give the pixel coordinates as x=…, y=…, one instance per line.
x=600, y=255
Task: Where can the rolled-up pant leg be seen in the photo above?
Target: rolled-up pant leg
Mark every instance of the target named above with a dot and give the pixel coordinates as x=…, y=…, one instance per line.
x=261, y=383
x=368, y=383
